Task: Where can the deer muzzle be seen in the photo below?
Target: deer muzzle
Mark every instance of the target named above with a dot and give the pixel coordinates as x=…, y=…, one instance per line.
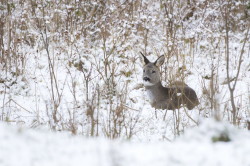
x=146, y=79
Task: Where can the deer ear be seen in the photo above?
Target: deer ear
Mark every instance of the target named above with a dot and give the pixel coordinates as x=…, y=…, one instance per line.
x=145, y=60
x=160, y=61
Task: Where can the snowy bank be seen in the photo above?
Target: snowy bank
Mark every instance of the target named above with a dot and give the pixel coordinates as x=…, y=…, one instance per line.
x=197, y=147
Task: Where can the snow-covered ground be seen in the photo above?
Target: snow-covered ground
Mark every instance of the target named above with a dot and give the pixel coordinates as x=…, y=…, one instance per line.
x=197, y=147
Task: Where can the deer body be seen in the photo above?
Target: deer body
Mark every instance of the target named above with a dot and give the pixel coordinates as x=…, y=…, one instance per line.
x=162, y=101
x=169, y=98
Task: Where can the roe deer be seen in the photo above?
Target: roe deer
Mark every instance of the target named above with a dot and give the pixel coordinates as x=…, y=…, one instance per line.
x=169, y=98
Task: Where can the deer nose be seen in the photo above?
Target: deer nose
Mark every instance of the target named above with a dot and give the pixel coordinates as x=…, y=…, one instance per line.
x=146, y=79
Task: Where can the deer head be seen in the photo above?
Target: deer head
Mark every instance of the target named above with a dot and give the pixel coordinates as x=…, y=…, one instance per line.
x=151, y=71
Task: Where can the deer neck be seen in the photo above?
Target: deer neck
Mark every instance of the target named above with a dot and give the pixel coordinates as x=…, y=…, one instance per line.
x=154, y=87
x=154, y=92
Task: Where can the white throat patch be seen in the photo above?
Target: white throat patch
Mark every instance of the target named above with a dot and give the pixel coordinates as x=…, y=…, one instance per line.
x=150, y=96
x=146, y=83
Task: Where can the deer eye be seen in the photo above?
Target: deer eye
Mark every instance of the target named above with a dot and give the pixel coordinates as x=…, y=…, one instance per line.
x=153, y=71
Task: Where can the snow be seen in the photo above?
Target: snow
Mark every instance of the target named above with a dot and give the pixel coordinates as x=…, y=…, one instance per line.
x=29, y=147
